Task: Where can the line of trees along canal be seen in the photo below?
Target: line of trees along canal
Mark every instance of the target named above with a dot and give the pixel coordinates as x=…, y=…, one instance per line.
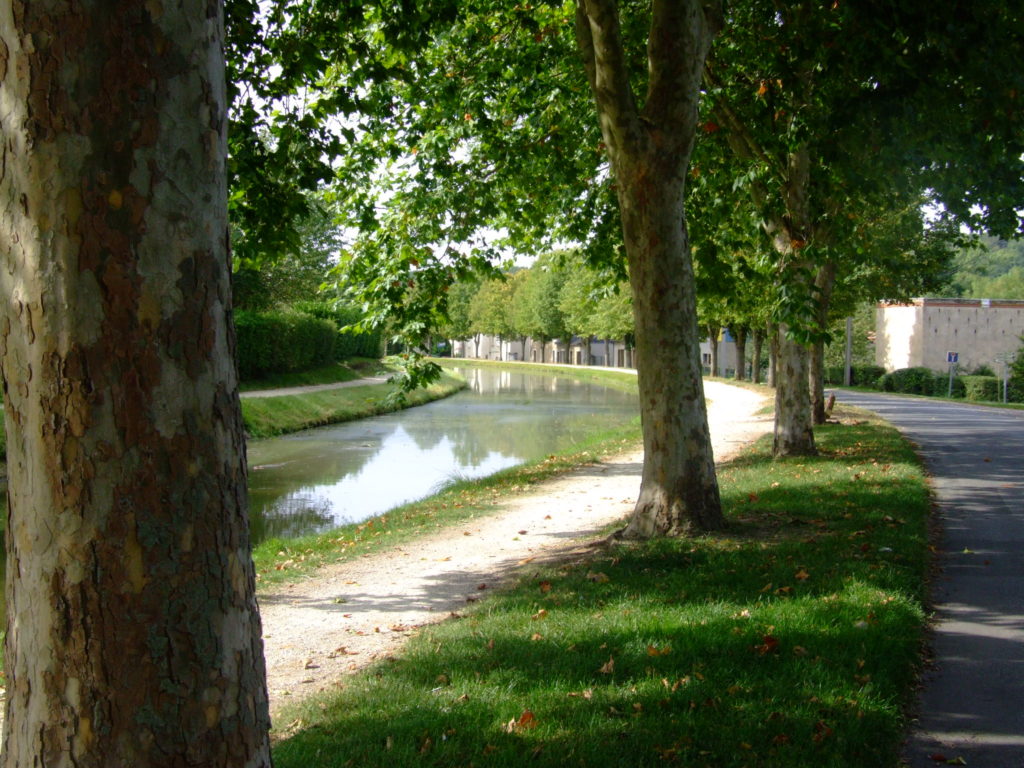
x=133, y=636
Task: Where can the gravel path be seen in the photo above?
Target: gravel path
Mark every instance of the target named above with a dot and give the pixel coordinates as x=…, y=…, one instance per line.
x=346, y=616
x=314, y=387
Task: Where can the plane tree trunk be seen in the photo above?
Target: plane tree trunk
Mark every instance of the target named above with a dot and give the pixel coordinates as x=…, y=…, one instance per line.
x=649, y=151
x=133, y=636
x=824, y=283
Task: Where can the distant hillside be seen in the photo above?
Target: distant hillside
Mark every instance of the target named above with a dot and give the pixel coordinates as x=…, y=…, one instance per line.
x=993, y=271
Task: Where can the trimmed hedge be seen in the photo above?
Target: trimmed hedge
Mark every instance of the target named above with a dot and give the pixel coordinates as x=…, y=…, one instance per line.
x=860, y=375
x=349, y=343
x=983, y=388
x=276, y=342
x=920, y=381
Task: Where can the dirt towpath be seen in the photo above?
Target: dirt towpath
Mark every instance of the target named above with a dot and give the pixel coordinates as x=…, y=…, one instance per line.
x=346, y=616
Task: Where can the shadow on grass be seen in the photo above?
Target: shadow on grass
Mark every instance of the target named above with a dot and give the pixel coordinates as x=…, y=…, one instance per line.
x=790, y=640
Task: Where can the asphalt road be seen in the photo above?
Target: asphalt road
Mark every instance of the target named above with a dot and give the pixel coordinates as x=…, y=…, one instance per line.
x=972, y=702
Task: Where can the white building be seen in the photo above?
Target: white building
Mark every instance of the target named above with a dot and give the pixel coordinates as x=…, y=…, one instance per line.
x=923, y=332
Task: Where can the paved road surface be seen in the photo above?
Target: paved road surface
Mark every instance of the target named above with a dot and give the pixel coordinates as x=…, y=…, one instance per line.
x=972, y=705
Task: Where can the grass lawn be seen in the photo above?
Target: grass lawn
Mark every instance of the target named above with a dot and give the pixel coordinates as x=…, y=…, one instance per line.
x=790, y=640
x=269, y=416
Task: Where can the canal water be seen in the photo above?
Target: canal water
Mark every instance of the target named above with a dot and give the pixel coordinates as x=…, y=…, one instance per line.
x=322, y=478
x=318, y=479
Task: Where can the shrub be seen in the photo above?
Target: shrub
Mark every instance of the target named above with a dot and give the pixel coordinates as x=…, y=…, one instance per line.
x=860, y=375
x=982, y=388
x=915, y=381
x=278, y=342
x=349, y=343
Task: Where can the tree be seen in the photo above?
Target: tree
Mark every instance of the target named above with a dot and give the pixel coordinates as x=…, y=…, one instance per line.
x=835, y=105
x=649, y=145
x=538, y=312
x=490, y=310
x=133, y=636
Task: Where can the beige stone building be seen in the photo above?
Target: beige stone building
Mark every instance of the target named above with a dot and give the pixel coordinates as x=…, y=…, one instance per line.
x=923, y=331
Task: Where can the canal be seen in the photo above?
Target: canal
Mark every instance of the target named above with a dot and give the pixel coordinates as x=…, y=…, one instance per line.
x=319, y=479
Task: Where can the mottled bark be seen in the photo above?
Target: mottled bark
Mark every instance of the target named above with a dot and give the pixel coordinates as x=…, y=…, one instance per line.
x=713, y=331
x=755, y=364
x=791, y=234
x=824, y=282
x=773, y=355
x=133, y=637
x=649, y=152
x=793, y=432
x=740, y=334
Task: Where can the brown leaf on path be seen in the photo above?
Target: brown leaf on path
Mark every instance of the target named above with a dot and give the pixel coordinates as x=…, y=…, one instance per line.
x=526, y=560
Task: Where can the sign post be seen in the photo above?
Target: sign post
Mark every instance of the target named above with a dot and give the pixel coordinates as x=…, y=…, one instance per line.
x=952, y=358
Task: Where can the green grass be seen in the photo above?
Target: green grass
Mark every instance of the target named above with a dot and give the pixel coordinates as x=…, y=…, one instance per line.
x=346, y=370
x=790, y=640
x=269, y=416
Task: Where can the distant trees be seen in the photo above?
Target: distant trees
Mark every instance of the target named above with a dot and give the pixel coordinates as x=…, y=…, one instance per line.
x=558, y=298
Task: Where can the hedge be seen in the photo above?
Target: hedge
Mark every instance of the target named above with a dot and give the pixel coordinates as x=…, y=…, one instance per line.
x=920, y=381
x=984, y=388
x=277, y=342
x=349, y=343
x=860, y=375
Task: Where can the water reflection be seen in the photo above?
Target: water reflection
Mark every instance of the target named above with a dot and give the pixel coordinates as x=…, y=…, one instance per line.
x=315, y=480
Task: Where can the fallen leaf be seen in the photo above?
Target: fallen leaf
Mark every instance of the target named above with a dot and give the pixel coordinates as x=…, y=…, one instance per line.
x=597, y=578
x=542, y=613
x=526, y=560
x=536, y=636
x=524, y=722
x=653, y=650
x=768, y=645
x=545, y=586
x=608, y=667
x=802, y=575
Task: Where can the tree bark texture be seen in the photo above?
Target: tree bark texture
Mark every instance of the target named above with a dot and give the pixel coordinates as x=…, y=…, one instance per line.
x=133, y=637
x=649, y=151
x=758, y=340
x=773, y=355
x=740, y=334
x=824, y=282
x=793, y=433
x=713, y=331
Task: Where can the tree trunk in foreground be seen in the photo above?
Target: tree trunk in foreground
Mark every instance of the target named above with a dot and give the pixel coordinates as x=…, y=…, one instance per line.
x=133, y=637
x=650, y=152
